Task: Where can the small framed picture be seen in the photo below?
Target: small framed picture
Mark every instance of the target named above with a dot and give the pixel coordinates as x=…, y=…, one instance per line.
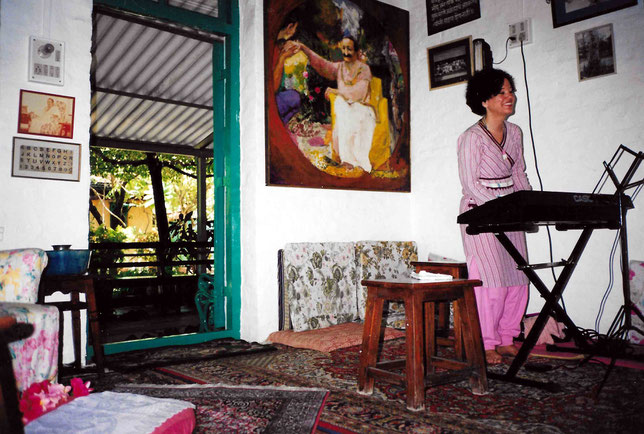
x=570, y=11
x=450, y=63
x=595, y=52
x=46, y=114
x=45, y=159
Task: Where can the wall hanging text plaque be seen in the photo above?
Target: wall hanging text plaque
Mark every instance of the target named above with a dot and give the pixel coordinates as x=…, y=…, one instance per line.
x=445, y=14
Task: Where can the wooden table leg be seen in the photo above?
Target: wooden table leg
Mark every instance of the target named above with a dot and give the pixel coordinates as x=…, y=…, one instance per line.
x=61, y=337
x=76, y=325
x=370, y=338
x=92, y=314
x=458, y=331
x=473, y=341
x=430, y=335
x=414, y=366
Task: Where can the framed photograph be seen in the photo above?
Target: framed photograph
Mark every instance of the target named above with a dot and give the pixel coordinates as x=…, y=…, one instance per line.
x=46, y=114
x=337, y=122
x=450, y=63
x=595, y=52
x=570, y=11
x=45, y=159
x=445, y=14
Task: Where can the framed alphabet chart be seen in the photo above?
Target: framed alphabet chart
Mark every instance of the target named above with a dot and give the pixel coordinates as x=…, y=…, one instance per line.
x=45, y=159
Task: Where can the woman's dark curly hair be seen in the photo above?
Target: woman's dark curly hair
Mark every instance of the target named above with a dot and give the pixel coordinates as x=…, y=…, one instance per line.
x=484, y=85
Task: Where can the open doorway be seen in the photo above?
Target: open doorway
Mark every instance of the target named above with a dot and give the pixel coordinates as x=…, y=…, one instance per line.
x=162, y=102
x=144, y=292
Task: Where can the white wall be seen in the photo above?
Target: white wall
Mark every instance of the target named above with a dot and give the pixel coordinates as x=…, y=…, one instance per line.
x=576, y=125
x=34, y=212
x=274, y=216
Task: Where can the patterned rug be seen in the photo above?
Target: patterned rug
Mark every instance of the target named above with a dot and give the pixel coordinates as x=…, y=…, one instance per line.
x=221, y=408
x=172, y=355
x=585, y=403
x=589, y=400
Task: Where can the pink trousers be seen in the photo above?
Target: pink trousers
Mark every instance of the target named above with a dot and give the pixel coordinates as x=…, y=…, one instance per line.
x=500, y=311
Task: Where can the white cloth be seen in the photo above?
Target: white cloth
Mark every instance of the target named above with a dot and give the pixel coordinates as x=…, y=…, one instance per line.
x=431, y=277
x=353, y=132
x=108, y=412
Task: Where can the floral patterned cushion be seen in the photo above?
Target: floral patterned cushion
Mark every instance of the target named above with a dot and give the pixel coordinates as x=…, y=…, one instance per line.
x=384, y=260
x=35, y=358
x=320, y=282
x=637, y=297
x=20, y=272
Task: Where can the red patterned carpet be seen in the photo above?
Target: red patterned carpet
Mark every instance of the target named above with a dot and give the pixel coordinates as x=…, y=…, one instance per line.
x=586, y=403
x=279, y=410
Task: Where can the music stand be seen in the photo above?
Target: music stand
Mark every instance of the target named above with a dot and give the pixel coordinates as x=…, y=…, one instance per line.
x=615, y=342
x=552, y=297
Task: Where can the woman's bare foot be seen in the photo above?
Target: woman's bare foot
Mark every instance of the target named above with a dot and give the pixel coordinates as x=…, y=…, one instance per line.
x=507, y=350
x=492, y=357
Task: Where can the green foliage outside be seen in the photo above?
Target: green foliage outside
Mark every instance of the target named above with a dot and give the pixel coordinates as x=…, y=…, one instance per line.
x=124, y=178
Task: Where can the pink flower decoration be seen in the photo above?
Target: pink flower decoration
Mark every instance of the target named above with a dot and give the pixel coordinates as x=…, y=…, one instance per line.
x=305, y=74
x=317, y=90
x=79, y=388
x=40, y=398
x=310, y=98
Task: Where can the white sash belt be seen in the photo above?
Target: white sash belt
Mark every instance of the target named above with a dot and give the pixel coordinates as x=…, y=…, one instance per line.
x=497, y=183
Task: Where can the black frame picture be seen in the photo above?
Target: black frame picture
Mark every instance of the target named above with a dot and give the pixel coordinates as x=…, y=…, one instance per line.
x=450, y=63
x=567, y=12
x=445, y=14
x=595, y=52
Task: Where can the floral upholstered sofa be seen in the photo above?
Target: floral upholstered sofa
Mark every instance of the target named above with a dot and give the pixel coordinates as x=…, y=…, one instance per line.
x=321, y=294
x=35, y=358
x=637, y=297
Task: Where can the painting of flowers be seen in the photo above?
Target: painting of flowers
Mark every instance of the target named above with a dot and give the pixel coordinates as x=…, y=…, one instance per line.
x=337, y=94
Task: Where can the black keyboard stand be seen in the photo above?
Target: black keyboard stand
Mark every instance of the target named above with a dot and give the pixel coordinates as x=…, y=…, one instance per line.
x=616, y=343
x=551, y=306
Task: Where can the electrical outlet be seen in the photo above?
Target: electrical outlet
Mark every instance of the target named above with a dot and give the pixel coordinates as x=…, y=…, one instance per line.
x=521, y=32
x=1, y=233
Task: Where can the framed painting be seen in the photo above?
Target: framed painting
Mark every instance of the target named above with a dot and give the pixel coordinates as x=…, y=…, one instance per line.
x=45, y=159
x=595, y=52
x=450, y=63
x=445, y=14
x=46, y=114
x=570, y=11
x=337, y=95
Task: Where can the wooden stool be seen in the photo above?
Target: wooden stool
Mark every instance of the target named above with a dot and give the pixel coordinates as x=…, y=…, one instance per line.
x=458, y=270
x=74, y=285
x=420, y=359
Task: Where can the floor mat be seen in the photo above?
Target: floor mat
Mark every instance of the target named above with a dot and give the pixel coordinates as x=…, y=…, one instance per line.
x=172, y=355
x=224, y=408
x=581, y=405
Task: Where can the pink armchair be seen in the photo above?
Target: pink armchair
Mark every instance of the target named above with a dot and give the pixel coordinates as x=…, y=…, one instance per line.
x=36, y=357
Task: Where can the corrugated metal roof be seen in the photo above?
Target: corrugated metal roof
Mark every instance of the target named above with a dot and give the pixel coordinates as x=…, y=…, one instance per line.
x=151, y=83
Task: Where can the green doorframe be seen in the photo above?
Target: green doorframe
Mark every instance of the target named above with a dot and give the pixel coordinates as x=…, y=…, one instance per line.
x=226, y=103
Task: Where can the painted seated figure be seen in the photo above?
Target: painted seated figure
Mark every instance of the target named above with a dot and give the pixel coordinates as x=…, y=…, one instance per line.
x=357, y=108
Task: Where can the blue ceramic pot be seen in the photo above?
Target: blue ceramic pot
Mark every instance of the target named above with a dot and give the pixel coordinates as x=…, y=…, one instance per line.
x=67, y=261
